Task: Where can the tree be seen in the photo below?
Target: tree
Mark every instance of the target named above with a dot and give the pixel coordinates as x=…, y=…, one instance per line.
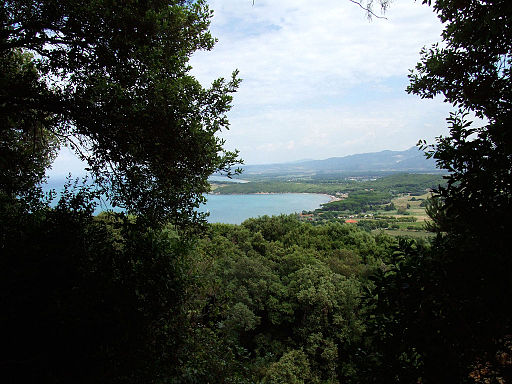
x=88, y=299
x=25, y=143
x=451, y=305
x=473, y=72
x=99, y=299
x=111, y=80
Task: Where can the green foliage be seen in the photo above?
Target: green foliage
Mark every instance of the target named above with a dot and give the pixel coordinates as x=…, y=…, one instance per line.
x=281, y=299
x=119, y=298
x=443, y=311
x=87, y=299
x=473, y=72
x=292, y=367
x=280, y=187
x=395, y=184
x=360, y=201
x=405, y=183
x=402, y=211
x=390, y=207
x=26, y=144
x=111, y=80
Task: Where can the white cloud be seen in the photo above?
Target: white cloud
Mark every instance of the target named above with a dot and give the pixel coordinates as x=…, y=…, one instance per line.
x=319, y=80
x=283, y=134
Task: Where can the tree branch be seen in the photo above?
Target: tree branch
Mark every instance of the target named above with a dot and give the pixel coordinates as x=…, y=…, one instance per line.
x=367, y=9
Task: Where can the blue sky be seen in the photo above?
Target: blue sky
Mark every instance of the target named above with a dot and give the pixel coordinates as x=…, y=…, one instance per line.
x=319, y=80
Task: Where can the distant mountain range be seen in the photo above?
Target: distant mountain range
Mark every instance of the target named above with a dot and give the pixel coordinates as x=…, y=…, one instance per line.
x=411, y=160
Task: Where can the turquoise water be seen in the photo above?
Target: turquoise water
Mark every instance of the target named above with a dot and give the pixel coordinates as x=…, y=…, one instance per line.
x=233, y=209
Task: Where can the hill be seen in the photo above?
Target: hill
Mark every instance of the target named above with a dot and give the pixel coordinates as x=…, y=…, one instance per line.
x=411, y=160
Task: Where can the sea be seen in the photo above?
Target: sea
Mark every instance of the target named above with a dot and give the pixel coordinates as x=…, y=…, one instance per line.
x=234, y=209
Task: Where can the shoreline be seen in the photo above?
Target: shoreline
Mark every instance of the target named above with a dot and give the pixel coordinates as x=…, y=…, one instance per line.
x=331, y=197
x=242, y=206
x=272, y=193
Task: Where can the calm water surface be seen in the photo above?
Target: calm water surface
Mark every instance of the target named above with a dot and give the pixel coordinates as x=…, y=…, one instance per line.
x=233, y=209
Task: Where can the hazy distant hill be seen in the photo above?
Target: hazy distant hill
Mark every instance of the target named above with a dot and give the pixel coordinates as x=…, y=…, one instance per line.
x=411, y=160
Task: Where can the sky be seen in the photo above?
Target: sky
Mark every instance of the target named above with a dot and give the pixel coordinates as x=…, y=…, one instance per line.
x=319, y=79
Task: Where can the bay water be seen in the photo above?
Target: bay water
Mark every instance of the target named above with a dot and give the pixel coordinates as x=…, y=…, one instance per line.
x=233, y=209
